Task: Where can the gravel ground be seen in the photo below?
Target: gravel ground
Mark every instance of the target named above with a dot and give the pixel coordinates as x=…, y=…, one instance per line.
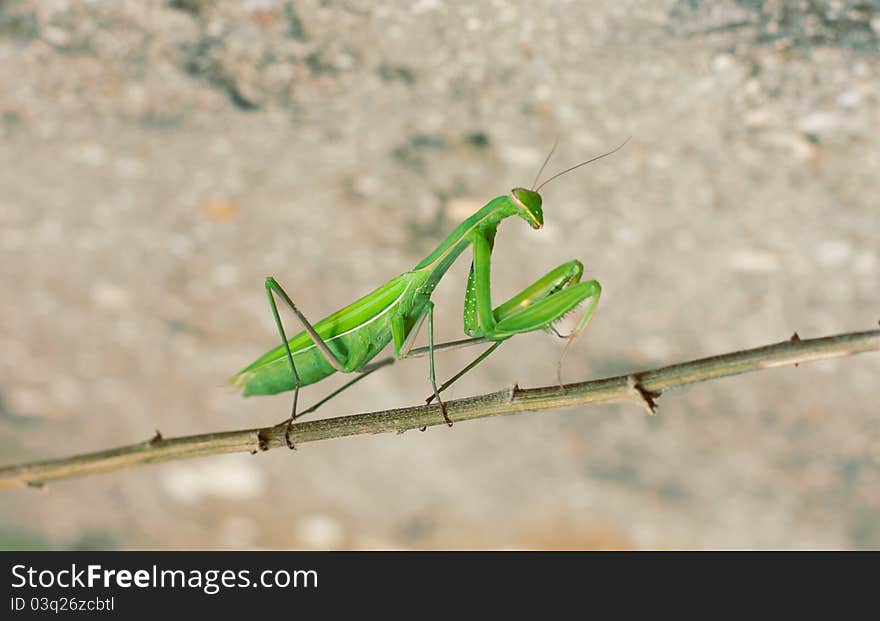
x=159, y=159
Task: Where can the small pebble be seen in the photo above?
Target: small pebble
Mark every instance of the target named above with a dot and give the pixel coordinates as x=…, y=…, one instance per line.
x=320, y=531
x=833, y=253
x=228, y=477
x=110, y=296
x=753, y=260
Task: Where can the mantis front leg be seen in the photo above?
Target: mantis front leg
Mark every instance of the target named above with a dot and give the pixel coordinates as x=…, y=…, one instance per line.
x=512, y=317
x=536, y=307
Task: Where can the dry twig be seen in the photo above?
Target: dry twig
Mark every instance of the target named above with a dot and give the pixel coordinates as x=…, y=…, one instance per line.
x=643, y=388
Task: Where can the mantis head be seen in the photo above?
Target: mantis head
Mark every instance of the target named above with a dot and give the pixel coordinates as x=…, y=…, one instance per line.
x=528, y=206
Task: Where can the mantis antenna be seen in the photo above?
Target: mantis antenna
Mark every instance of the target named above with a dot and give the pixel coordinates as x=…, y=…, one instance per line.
x=546, y=160
x=568, y=170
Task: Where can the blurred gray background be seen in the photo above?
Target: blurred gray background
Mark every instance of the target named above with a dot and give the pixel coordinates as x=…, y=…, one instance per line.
x=159, y=159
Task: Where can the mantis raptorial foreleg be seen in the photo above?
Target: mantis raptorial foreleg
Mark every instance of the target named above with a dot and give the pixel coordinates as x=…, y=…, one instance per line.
x=537, y=306
x=532, y=298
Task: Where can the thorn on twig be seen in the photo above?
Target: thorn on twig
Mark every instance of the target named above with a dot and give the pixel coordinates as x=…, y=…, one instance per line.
x=511, y=395
x=423, y=428
x=795, y=338
x=156, y=438
x=647, y=398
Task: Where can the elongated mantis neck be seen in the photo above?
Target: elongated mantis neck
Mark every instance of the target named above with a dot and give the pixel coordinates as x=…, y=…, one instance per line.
x=439, y=261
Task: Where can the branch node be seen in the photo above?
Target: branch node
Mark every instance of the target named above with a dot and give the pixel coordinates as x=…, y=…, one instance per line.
x=263, y=436
x=647, y=398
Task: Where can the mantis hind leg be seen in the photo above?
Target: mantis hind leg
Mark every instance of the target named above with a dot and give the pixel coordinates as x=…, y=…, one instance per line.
x=272, y=289
x=361, y=374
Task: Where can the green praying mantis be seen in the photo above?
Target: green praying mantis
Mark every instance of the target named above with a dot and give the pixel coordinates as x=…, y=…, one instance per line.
x=348, y=340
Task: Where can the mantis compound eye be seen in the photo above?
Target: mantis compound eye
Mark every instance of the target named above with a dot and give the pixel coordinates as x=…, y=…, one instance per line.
x=530, y=202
